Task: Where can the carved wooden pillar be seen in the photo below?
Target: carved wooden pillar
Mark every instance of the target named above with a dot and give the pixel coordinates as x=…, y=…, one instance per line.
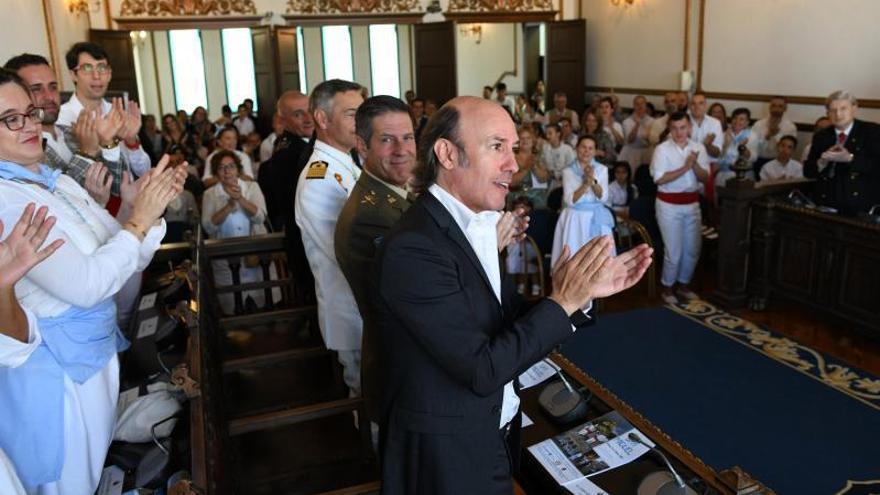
x=735, y=200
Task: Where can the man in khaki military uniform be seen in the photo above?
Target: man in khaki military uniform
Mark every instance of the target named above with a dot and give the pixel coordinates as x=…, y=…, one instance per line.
x=386, y=140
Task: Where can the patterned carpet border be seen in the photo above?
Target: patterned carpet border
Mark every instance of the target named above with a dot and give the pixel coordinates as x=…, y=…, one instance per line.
x=855, y=383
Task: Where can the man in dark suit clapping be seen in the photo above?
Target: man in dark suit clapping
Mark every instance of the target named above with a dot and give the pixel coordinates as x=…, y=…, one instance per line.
x=451, y=347
x=845, y=158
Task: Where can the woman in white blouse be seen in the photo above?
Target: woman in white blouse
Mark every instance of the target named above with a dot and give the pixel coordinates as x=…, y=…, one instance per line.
x=585, y=196
x=233, y=208
x=64, y=376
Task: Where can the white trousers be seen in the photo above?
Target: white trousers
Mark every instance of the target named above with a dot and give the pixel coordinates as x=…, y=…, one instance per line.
x=680, y=228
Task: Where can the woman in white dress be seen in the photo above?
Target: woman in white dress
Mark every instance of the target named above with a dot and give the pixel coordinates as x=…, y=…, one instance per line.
x=63, y=378
x=585, y=197
x=234, y=208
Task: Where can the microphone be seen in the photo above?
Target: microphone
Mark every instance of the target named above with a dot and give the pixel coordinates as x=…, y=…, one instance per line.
x=561, y=401
x=680, y=487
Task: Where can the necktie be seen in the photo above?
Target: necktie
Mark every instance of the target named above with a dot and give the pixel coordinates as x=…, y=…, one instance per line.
x=841, y=138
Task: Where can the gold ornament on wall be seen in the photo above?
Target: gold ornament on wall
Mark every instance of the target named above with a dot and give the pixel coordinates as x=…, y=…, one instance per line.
x=154, y=8
x=351, y=6
x=500, y=5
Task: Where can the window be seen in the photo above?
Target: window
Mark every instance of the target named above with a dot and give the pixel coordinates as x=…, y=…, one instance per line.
x=301, y=59
x=336, y=42
x=188, y=69
x=384, y=60
x=238, y=64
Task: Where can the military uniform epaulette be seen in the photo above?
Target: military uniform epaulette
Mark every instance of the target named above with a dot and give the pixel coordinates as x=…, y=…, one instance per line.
x=369, y=198
x=317, y=170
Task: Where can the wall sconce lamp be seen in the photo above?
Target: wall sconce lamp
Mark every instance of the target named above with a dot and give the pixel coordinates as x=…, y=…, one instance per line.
x=138, y=37
x=625, y=3
x=475, y=30
x=82, y=6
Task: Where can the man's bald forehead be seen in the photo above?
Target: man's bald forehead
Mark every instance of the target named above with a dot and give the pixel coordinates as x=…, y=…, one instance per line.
x=290, y=98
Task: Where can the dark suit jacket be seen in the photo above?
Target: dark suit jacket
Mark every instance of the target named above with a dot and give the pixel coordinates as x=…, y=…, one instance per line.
x=850, y=187
x=278, y=177
x=448, y=350
x=370, y=212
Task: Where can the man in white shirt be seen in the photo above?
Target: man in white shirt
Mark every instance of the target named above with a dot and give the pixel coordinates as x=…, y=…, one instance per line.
x=91, y=73
x=705, y=129
x=556, y=155
x=267, y=147
x=767, y=131
x=660, y=125
x=568, y=135
x=678, y=167
x=243, y=122
x=636, y=128
x=560, y=109
x=451, y=354
x=321, y=191
x=783, y=167
x=504, y=99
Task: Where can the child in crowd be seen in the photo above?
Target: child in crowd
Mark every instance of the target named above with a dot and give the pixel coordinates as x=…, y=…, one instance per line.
x=522, y=259
x=621, y=191
x=783, y=167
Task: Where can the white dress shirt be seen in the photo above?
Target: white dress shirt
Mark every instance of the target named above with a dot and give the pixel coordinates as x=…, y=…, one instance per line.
x=9, y=482
x=775, y=170
x=636, y=152
x=709, y=125
x=767, y=147
x=245, y=126
x=669, y=156
x=479, y=229
x=556, y=159
x=138, y=160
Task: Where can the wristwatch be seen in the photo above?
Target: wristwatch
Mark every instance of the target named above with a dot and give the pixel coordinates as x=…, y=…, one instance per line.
x=110, y=146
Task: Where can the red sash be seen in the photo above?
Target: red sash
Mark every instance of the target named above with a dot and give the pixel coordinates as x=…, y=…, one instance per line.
x=682, y=198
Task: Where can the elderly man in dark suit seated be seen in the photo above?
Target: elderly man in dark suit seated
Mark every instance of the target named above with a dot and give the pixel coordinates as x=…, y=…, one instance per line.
x=451, y=348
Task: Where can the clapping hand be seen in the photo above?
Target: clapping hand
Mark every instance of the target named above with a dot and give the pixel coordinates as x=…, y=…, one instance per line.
x=837, y=153
x=108, y=126
x=20, y=251
x=86, y=133
x=98, y=183
x=593, y=272
x=131, y=121
x=155, y=190
x=511, y=227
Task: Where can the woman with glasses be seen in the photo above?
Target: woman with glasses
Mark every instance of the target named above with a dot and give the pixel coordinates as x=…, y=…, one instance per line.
x=65, y=385
x=234, y=208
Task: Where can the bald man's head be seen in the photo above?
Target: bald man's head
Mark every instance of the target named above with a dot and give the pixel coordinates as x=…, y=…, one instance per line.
x=293, y=111
x=467, y=148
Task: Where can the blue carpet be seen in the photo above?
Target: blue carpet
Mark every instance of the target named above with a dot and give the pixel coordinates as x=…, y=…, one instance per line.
x=736, y=394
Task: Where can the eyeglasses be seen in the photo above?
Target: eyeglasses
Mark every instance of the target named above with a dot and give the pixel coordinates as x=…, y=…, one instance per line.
x=16, y=121
x=89, y=69
x=227, y=166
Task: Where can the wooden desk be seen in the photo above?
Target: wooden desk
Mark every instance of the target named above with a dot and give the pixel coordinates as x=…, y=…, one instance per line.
x=828, y=261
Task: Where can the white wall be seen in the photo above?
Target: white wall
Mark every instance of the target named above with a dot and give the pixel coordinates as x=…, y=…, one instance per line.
x=480, y=64
x=26, y=32
x=637, y=47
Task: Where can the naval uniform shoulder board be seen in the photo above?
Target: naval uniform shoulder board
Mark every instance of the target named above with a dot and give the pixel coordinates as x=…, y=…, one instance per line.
x=317, y=170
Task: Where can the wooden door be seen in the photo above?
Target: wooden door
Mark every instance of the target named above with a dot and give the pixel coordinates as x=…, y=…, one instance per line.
x=265, y=75
x=288, y=60
x=435, y=61
x=118, y=46
x=566, y=61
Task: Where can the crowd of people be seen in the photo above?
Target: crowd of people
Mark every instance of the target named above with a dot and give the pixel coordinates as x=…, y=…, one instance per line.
x=394, y=215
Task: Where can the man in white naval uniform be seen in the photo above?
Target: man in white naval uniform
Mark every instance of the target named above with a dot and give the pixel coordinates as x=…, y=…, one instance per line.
x=321, y=192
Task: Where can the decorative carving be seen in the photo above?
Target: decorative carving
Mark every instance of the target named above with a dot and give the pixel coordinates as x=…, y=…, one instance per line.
x=500, y=5
x=154, y=8
x=351, y=6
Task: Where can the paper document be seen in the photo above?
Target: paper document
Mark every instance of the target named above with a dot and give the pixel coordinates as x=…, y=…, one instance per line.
x=594, y=447
x=540, y=372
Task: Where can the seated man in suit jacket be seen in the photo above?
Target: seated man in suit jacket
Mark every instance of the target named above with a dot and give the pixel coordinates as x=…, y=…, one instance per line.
x=451, y=349
x=845, y=157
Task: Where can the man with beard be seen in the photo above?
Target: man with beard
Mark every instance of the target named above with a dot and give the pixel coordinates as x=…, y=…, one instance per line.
x=40, y=78
x=386, y=140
